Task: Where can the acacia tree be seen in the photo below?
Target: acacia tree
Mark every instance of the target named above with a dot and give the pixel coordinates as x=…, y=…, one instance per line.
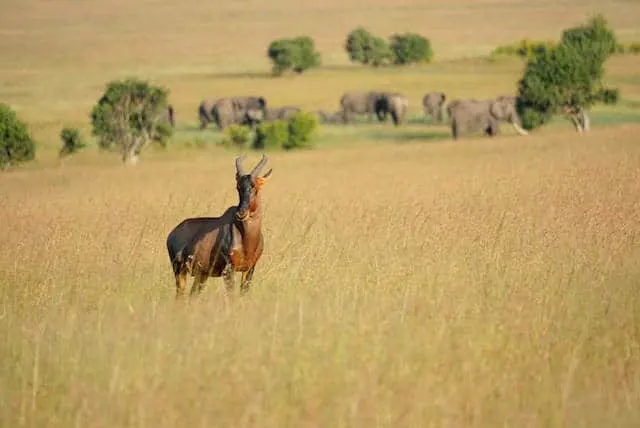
x=567, y=78
x=130, y=115
x=366, y=48
x=298, y=54
x=410, y=48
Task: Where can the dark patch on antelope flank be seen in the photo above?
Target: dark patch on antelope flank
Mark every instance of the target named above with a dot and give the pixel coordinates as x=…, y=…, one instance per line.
x=221, y=257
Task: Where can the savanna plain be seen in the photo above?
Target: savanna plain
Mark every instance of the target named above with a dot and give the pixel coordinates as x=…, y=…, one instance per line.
x=407, y=280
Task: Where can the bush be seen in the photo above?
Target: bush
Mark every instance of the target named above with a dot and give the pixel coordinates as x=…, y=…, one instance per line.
x=71, y=141
x=410, y=48
x=301, y=127
x=609, y=95
x=525, y=48
x=271, y=135
x=287, y=134
x=237, y=135
x=631, y=48
x=16, y=144
x=365, y=48
x=130, y=115
x=297, y=54
x=531, y=118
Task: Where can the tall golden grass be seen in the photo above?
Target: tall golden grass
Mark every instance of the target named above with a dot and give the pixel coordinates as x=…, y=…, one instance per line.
x=488, y=282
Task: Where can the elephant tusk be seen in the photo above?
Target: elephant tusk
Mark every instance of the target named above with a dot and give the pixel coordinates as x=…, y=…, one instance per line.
x=519, y=130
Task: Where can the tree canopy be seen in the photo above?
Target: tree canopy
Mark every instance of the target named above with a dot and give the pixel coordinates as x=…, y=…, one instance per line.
x=129, y=115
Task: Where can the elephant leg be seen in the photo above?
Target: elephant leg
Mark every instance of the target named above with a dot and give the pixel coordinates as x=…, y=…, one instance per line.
x=395, y=117
x=345, y=117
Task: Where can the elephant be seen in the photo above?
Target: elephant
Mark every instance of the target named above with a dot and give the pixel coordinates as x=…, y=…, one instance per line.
x=485, y=116
x=238, y=110
x=280, y=113
x=432, y=103
x=394, y=104
x=359, y=102
x=168, y=116
x=329, y=118
x=171, y=113
x=205, y=112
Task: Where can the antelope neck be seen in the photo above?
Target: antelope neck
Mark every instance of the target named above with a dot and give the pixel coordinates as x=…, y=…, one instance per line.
x=251, y=222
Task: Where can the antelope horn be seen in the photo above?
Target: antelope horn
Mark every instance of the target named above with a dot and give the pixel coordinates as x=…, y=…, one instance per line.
x=239, y=160
x=256, y=170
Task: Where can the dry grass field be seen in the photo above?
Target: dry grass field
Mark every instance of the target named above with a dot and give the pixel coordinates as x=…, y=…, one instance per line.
x=407, y=281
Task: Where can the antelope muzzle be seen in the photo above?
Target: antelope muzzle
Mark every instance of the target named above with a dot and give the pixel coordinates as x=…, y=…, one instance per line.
x=245, y=189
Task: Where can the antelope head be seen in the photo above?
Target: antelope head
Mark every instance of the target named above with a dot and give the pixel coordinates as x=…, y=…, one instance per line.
x=248, y=186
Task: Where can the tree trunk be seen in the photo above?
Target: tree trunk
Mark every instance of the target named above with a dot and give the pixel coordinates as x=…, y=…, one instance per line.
x=130, y=157
x=576, y=122
x=131, y=151
x=584, y=119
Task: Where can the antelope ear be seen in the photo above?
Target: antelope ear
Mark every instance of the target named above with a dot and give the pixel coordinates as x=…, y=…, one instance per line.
x=260, y=182
x=268, y=173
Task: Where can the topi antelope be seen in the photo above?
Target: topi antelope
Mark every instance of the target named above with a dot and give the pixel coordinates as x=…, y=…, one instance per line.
x=219, y=246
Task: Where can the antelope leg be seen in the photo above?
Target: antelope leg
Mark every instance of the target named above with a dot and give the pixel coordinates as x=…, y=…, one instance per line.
x=246, y=280
x=198, y=284
x=181, y=282
x=227, y=276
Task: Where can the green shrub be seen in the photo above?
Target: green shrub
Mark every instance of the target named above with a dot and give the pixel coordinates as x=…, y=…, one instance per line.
x=16, y=144
x=237, y=135
x=525, y=48
x=532, y=118
x=297, y=54
x=72, y=141
x=271, y=135
x=410, y=48
x=301, y=127
x=631, y=48
x=129, y=116
x=294, y=133
x=609, y=95
x=366, y=48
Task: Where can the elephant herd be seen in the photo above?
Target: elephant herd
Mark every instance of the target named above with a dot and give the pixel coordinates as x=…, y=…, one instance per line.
x=466, y=115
